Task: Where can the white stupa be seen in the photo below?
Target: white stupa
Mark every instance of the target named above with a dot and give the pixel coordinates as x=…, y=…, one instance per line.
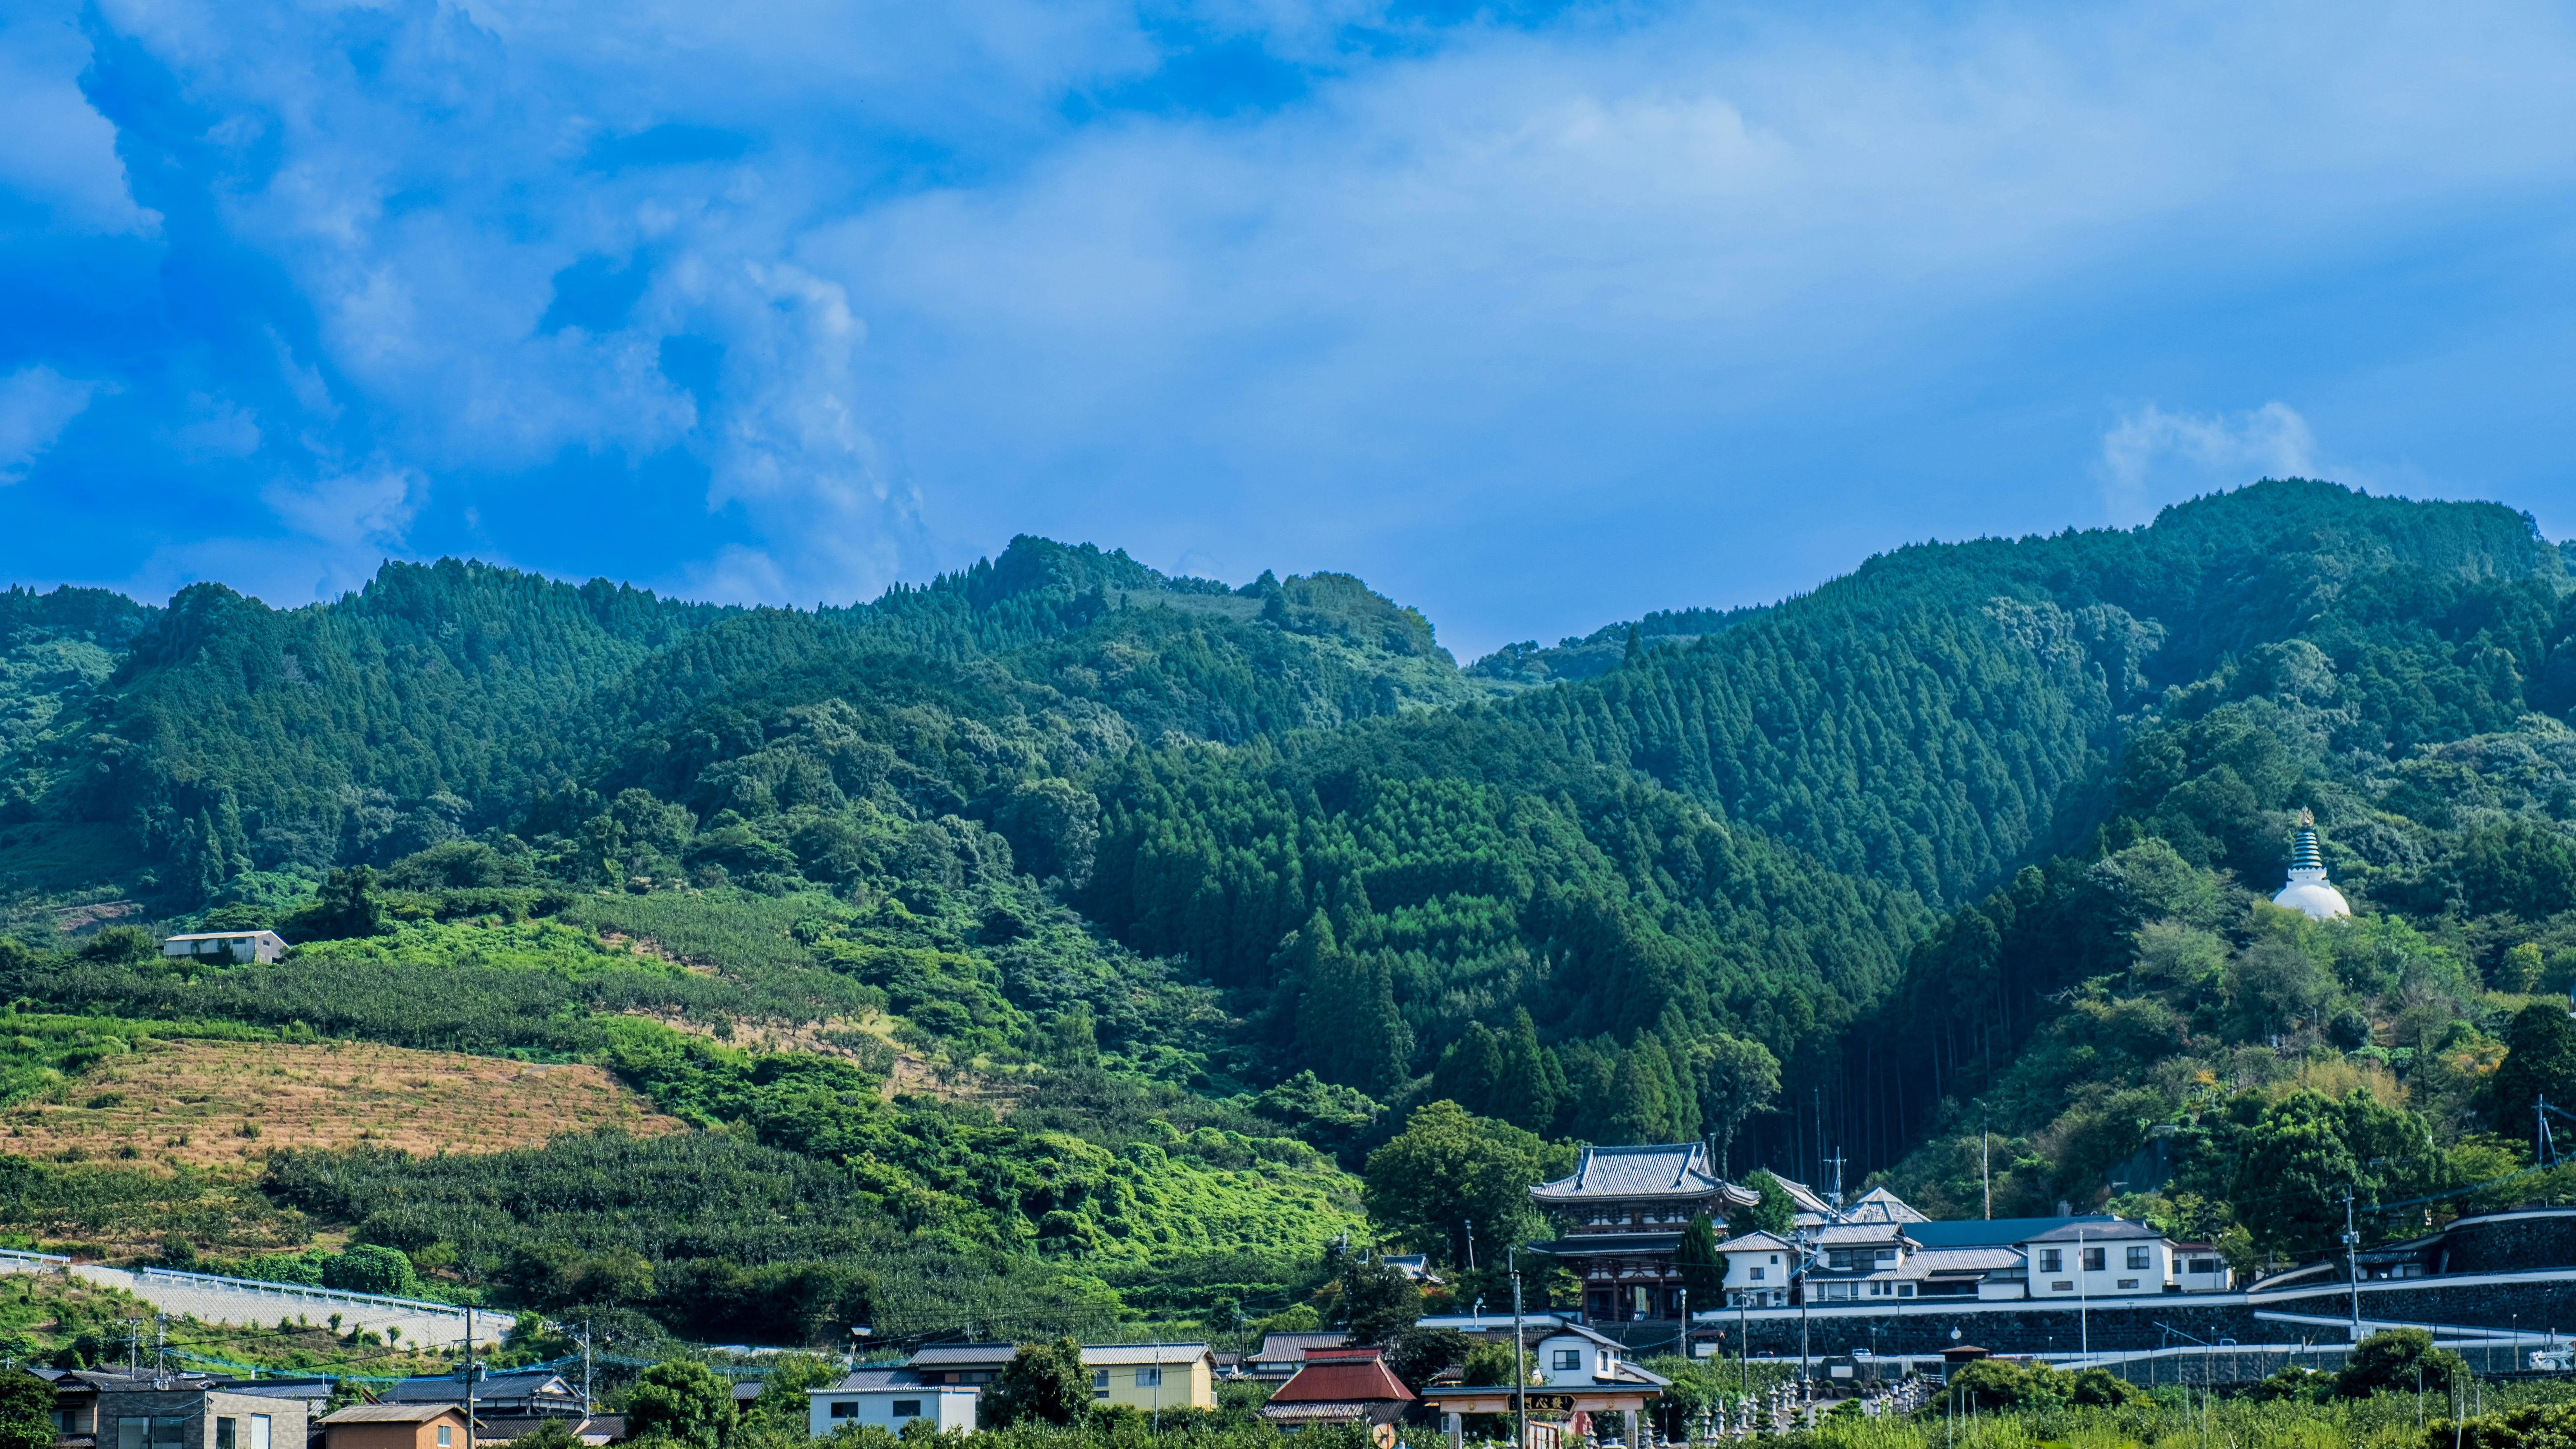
x=2307, y=891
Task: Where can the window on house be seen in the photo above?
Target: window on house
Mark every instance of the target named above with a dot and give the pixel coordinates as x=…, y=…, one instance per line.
x=907, y=1408
x=1904, y=1290
x=1754, y=1276
x=1149, y=1378
x=2203, y=1265
x=259, y=1424
x=2138, y=1257
x=2093, y=1259
x=446, y=1435
x=1603, y=1367
x=1100, y=1383
x=169, y=1428
x=2062, y=1286
x=2051, y=1261
x=1884, y=1255
x=224, y=1434
x=2128, y=1282
x=845, y=1408
x=1567, y=1360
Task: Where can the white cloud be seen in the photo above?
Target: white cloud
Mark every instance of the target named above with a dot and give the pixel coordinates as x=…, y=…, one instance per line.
x=2151, y=457
x=61, y=151
x=36, y=404
x=360, y=512
x=1484, y=270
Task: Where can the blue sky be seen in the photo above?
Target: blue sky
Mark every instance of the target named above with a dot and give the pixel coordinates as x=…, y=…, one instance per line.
x=1536, y=316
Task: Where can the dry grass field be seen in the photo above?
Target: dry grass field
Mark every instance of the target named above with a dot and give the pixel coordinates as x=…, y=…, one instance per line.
x=213, y=1104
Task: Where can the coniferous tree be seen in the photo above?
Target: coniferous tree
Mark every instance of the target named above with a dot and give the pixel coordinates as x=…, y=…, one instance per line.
x=1701, y=1265
x=1312, y=962
x=1638, y=1110
x=1471, y=1072
x=1382, y=1059
x=1528, y=1080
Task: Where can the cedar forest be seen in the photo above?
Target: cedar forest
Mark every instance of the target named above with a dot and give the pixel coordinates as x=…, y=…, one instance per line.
x=1060, y=945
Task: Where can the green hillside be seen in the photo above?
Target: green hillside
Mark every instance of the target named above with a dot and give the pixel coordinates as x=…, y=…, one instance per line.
x=1051, y=943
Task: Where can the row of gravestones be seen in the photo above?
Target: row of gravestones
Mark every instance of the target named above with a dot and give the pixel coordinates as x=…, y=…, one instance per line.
x=1786, y=1406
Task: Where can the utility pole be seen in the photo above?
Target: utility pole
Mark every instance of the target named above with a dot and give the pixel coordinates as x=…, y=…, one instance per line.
x=1985, y=1178
x=1799, y=1276
x=2352, y=1263
x=1685, y=1334
x=1471, y=1244
x=1520, y=1375
x=2083, y=1296
x=587, y=1403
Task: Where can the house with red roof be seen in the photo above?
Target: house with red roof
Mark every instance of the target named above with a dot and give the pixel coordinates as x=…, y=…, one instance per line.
x=1340, y=1386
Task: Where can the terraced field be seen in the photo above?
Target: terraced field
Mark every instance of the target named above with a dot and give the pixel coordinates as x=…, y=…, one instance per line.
x=212, y=1104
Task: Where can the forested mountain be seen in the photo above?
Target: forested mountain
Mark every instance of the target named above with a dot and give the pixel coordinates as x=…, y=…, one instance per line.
x=1045, y=923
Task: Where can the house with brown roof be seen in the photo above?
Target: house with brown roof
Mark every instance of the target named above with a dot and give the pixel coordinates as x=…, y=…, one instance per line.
x=396, y=1426
x=1340, y=1386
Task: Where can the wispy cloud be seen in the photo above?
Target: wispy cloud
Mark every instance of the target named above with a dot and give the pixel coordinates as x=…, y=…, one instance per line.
x=36, y=404
x=2152, y=457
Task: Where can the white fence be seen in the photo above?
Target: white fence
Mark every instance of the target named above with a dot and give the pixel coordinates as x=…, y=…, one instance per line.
x=248, y=1302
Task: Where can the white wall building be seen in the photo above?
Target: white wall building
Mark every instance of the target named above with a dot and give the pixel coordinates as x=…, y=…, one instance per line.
x=2116, y=1259
x=239, y=946
x=1758, y=1270
x=890, y=1398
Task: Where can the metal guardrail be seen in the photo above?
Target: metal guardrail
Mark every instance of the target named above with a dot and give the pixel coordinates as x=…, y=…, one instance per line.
x=22, y=1255
x=299, y=1290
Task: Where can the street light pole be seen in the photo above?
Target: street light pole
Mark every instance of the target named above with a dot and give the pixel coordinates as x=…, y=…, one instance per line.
x=1520, y=1375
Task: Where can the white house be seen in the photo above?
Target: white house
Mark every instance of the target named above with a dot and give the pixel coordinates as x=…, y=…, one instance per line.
x=2199, y=1269
x=2115, y=1259
x=1574, y=1357
x=1758, y=1270
x=238, y=946
x=890, y=1398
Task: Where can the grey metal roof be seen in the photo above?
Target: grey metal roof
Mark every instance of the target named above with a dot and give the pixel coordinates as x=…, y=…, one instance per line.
x=1126, y=1353
x=1846, y=1234
x=491, y=1388
x=1755, y=1241
x=963, y=1355
x=1291, y=1347
x=861, y=1380
x=2095, y=1231
x=1958, y=1260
